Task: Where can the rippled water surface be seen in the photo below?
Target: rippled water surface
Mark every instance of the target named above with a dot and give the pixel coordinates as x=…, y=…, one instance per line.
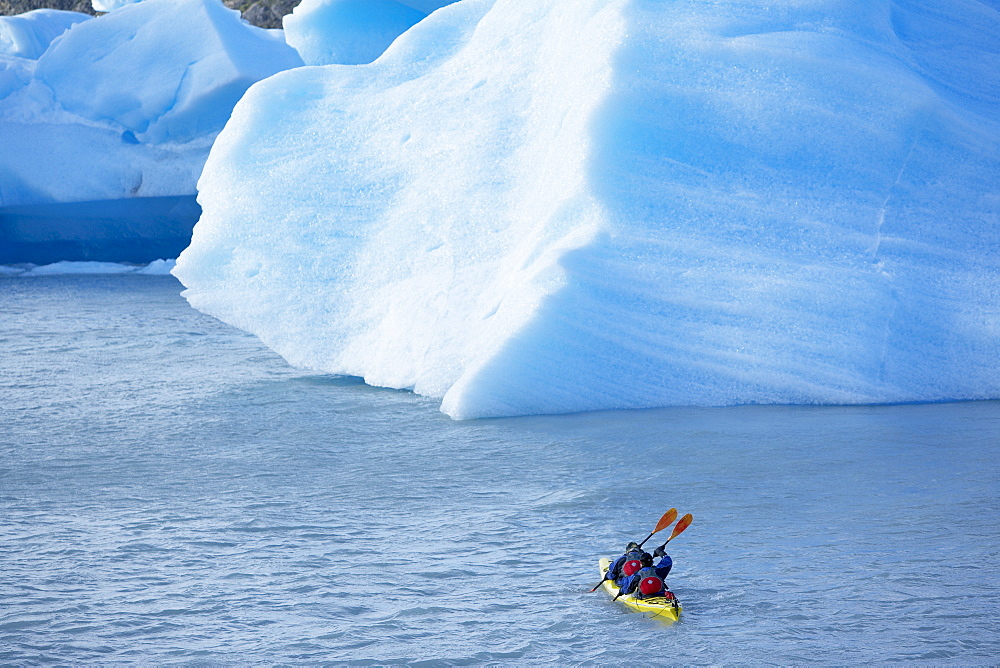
x=171, y=491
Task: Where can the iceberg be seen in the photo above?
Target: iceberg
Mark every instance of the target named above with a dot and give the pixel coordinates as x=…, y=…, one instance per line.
x=551, y=207
x=28, y=35
x=123, y=106
x=160, y=79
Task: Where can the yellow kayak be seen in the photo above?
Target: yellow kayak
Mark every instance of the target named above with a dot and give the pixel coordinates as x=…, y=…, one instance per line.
x=668, y=610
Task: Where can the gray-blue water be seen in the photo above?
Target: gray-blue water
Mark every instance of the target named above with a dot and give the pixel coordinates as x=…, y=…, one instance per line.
x=172, y=492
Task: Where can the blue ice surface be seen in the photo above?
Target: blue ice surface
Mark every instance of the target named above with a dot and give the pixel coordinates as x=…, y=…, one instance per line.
x=28, y=35
x=349, y=32
x=138, y=230
x=167, y=71
x=551, y=207
x=126, y=104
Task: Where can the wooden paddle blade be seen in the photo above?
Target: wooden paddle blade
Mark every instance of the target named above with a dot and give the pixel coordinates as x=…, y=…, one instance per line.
x=667, y=519
x=684, y=523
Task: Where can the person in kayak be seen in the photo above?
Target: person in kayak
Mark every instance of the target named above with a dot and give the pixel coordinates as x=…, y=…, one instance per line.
x=627, y=564
x=649, y=581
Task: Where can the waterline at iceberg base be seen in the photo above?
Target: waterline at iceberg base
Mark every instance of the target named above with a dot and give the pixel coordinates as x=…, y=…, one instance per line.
x=137, y=230
x=618, y=204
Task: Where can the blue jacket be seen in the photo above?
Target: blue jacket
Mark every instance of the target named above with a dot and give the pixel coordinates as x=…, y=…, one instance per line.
x=628, y=584
x=615, y=569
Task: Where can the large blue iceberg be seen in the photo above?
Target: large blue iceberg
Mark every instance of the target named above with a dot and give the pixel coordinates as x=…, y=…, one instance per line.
x=551, y=206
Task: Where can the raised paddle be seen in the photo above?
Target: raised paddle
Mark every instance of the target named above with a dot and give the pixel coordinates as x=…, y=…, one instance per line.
x=666, y=520
x=684, y=523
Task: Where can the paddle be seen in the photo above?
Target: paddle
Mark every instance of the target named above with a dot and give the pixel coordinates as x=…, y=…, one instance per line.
x=666, y=520
x=683, y=524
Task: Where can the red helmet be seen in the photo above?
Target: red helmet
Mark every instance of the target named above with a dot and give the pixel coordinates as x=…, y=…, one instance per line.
x=650, y=585
x=631, y=567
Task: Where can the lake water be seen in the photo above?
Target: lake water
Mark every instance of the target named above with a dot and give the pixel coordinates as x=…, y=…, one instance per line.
x=172, y=492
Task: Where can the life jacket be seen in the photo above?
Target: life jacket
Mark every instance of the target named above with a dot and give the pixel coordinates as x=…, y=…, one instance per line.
x=629, y=564
x=650, y=583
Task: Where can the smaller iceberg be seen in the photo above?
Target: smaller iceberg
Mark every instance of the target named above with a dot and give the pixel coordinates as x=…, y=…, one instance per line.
x=121, y=107
x=28, y=35
x=168, y=71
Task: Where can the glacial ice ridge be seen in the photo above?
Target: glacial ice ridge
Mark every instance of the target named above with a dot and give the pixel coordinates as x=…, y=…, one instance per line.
x=551, y=207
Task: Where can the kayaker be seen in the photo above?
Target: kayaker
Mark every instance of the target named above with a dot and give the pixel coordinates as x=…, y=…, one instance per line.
x=649, y=580
x=623, y=565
